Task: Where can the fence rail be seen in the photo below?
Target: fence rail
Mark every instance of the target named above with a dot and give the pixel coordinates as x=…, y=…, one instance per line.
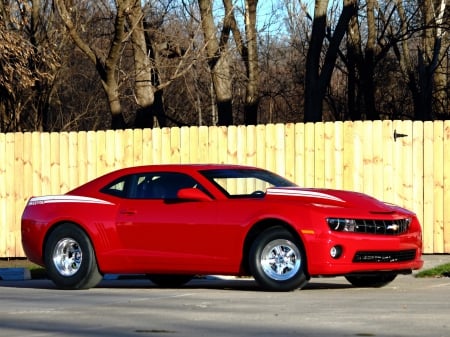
x=411, y=169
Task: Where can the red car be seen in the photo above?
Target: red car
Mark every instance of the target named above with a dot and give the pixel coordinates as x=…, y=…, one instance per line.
x=173, y=222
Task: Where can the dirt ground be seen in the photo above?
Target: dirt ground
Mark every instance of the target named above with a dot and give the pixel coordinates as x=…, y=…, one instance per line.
x=17, y=263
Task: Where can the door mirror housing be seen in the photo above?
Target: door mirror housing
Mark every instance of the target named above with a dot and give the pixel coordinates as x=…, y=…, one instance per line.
x=193, y=194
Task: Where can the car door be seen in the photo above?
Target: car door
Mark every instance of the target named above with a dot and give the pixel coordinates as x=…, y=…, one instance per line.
x=164, y=234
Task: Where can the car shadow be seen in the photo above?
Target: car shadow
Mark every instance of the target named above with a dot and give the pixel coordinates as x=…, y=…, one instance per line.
x=208, y=282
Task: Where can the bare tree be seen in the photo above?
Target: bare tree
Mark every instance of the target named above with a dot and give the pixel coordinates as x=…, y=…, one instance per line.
x=218, y=61
x=318, y=74
x=248, y=49
x=421, y=72
x=28, y=65
x=106, y=67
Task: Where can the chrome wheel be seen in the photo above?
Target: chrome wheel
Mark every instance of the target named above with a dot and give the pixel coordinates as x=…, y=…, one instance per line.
x=280, y=260
x=67, y=257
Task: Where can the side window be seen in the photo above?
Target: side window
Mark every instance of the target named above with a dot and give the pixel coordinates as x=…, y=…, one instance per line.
x=117, y=188
x=162, y=185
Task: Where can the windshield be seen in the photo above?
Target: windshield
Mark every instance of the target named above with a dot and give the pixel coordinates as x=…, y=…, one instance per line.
x=244, y=183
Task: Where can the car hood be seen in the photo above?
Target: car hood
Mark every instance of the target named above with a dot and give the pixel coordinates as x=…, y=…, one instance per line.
x=330, y=197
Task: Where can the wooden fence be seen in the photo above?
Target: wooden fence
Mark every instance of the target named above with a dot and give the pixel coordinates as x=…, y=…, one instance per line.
x=411, y=169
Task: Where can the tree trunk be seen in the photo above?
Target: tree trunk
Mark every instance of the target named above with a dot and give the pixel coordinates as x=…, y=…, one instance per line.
x=252, y=93
x=317, y=79
x=218, y=63
x=106, y=69
x=313, y=95
x=143, y=88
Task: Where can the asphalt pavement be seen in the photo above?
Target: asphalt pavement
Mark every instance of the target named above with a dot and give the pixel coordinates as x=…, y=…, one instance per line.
x=217, y=307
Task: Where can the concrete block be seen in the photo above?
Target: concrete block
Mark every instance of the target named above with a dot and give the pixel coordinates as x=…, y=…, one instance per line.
x=14, y=274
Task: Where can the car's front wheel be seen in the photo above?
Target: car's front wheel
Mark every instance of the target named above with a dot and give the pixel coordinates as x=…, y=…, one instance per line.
x=277, y=260
x=371, y=280
x=70, y=258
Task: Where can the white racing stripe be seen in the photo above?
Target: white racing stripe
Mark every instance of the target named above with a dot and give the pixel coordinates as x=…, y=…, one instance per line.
x=49, y=199
x=302, y=193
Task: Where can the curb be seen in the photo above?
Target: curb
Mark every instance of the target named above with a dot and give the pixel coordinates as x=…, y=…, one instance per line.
x=15, y=274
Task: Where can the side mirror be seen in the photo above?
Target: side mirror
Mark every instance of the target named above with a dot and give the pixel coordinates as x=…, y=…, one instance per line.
x=193, y=194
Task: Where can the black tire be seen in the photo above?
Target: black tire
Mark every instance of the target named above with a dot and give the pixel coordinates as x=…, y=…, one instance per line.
x=285, y=274
x=169, y=281
x=372, y=280
x=70, y=258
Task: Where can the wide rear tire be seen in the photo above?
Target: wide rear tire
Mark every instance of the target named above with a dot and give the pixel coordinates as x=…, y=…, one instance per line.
x=70, y=258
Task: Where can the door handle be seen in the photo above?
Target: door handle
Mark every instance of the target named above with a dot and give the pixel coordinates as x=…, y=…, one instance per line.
x=128, y=211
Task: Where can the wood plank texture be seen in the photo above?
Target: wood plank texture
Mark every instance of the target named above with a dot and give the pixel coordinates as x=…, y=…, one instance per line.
x=412, y=171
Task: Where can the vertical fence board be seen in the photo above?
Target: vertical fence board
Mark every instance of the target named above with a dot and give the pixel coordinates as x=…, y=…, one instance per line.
x=319, y=155
x=9, y=197
x=156, y=146
x=348, y=156
x=329, y=158
x=241, y=141
x=63, y=161
x=138, y=147
x=55, y=163
x=418, y=175
x=28, y=168
x=251, y=146
x=118, y=147
x=446, y=199
x=175, y=151
x=406, y=173
x=184, y=144
x=101, y=153
x=289, y=160
x=300, y=176
x=367, y=158
x=428, y=193
x=377, y=160
x=388, y=173
x=147, y=145
x=92, y=156
x=4, y=226
x=213, y=144
x=280, y=147
x=309, y=155
x=203, y=144
x=260, y=146
x=128, y=150
x=194, y=155
x=18, y=186
x=438, y=194
x=339, y=155
x=73, y=160
x=82, y=159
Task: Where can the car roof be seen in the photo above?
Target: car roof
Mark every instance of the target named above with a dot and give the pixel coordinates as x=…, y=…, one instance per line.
x=99, y=182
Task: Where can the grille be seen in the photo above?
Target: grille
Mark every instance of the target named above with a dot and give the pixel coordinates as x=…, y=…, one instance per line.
x=384, y=227
x=397, y=256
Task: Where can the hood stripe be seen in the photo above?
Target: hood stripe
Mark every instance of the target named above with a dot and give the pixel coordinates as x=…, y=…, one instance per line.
x=51, y=199
x=302, y=193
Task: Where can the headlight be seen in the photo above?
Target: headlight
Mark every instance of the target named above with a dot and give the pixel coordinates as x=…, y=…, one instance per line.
x=342, y=225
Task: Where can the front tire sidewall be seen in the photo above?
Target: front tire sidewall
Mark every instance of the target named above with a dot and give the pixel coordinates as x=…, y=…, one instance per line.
x=298, y=280
x=88, y=275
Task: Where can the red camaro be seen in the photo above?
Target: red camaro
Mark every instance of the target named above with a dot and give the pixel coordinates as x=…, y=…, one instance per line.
x=173, y=222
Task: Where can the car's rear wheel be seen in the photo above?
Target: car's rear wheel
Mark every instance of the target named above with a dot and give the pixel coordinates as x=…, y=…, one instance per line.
x=70, y=258
x=277, y=260
x=169, y=281
x=371, y=280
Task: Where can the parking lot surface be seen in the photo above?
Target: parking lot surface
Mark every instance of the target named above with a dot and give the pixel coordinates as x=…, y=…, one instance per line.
x=226, y=307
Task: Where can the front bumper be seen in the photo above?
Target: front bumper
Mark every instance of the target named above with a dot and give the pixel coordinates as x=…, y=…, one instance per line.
x=363, y=253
